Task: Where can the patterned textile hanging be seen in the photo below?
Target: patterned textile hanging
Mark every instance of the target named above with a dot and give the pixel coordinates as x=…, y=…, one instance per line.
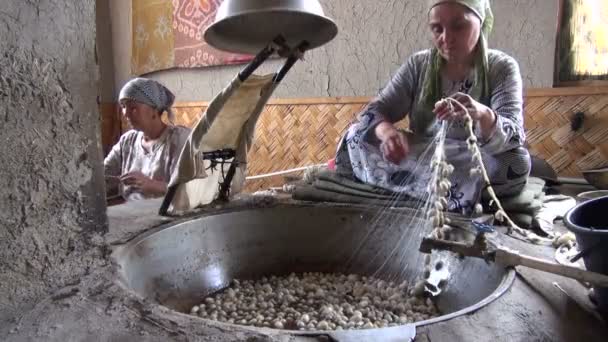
x=168, y=34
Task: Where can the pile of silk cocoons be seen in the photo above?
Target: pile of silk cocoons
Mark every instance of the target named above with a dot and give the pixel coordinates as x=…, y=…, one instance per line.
x=317, y=301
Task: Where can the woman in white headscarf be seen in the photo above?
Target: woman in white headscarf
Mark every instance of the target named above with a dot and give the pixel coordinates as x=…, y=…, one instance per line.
x=142, y=161
x=487, y=82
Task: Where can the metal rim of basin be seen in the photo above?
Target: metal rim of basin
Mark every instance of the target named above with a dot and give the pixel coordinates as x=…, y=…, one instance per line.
x=505, y=283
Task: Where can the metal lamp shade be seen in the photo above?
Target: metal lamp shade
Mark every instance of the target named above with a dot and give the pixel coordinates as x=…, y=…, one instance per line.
x=247, y=26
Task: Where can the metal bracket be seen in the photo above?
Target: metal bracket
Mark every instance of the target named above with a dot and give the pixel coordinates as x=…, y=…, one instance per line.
x=221, y=157
x=224, y=154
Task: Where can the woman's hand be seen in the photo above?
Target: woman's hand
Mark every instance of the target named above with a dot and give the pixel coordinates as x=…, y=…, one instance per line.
x=394, y=145
x=140, y=182
x=478, y=112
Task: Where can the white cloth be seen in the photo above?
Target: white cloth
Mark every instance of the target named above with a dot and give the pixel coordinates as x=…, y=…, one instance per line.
x=228, y=123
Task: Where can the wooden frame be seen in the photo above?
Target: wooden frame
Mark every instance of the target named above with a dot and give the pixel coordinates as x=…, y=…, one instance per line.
x=567, y=91
x=556, y=69
x=595, y=89
x=583, y=83
x=556, y=59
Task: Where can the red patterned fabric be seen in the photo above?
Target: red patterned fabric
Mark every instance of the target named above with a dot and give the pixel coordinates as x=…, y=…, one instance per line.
x=190, y=19
x=169, y=34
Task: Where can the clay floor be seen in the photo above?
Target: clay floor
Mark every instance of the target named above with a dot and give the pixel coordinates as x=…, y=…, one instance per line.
x=99, y=309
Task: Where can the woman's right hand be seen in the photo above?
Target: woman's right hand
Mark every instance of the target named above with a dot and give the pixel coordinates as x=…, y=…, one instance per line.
x=394, y=145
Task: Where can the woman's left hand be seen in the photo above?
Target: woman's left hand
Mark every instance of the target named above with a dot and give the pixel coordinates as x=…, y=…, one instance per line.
x=478, y=112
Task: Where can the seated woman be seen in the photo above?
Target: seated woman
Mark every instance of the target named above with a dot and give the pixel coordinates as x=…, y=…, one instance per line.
x=142, y=161
x=487, y=82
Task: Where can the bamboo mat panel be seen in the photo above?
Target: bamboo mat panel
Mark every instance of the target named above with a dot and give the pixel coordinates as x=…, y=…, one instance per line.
x=299, y=132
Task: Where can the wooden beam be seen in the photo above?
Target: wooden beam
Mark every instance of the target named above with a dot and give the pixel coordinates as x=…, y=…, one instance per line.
x=532, y=92
x=321, y=100
x=292, y=101
x=566, y=91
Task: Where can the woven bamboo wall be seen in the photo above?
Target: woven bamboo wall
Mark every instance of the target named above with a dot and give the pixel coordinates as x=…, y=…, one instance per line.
x=547, y=121
x=299, y=132
x=293, y=135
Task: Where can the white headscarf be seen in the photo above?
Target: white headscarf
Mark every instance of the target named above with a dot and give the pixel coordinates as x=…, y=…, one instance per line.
x=150, y=92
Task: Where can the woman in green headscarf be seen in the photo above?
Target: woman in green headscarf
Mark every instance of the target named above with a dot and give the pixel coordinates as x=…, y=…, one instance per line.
x=460, y=65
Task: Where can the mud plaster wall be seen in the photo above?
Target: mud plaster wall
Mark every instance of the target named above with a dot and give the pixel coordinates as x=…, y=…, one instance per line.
x=52, y=206
x=375, y=38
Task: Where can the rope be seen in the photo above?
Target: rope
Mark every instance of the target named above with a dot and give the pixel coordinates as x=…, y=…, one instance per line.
x=501, y=214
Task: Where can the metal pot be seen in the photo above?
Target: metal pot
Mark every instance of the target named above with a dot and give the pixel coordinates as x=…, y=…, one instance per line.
x=597, y=177
x=247, y=26
x=589, y=224
x=589, y=195
x=179, y=265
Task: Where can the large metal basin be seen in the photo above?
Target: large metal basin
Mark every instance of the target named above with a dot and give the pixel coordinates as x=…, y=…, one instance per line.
x=180, y=264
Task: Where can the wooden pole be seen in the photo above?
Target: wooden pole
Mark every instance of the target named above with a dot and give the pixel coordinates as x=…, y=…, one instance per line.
x=508, y=257
x=514, y=258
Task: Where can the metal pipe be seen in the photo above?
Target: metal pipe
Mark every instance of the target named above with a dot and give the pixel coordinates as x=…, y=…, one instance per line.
x=225, y=185
x=296, y=54
x=260, y=58
x=164, y=207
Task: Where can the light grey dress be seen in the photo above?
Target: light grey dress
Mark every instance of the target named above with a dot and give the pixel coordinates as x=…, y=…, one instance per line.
x=158, y=163
x=505, y=156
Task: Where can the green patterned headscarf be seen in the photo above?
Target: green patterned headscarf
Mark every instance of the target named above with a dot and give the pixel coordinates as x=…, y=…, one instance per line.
x=431, y=87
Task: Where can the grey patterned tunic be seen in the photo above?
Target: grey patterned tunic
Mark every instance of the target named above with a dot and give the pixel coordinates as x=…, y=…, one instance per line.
x=507, y=160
